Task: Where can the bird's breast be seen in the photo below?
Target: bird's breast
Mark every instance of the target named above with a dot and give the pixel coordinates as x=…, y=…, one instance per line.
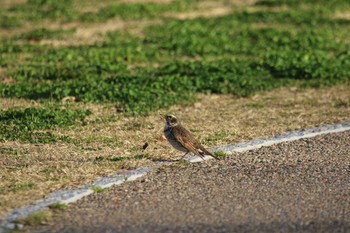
x=172, y=140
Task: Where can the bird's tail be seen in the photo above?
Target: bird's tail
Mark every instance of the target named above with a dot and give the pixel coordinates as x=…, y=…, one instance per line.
x=204, y=152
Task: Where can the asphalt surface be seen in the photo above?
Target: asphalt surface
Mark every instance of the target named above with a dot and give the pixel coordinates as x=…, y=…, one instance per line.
x=300, y=186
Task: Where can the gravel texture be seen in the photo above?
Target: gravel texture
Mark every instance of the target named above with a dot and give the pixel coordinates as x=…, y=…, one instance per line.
x=300, y=186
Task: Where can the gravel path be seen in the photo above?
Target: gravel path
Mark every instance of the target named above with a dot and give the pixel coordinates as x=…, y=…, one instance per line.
x=300, y=186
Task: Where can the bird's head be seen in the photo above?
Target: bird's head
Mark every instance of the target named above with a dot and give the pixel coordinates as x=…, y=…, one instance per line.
x=170, y=120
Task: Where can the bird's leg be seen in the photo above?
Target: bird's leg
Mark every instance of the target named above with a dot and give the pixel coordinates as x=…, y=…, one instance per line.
x=184, y=156
x=202, y=155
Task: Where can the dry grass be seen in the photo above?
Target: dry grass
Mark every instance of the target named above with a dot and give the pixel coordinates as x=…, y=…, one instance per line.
x=213, y=12
x=31, y=171
x=342, y=15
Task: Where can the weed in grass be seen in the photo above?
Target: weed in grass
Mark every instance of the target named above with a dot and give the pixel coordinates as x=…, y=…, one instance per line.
x=90, y=148
x=183, y=163
x=117, y=158
x=36, y=218
x=48, y=170
x=98, y=189
x=141, y=156
x=13, y=187
x=122, y=158
x=58, y=206
x=220, y=153
x=255, y=105
x=100, y=159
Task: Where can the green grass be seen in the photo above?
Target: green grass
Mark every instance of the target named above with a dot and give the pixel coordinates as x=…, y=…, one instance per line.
x=43, y=9
x=35, y=218
x=43, y=33
x=217, y=136
x=136, y=10
x=68, y=10
x=13, y=151
x=220, y=153
x=58, y=206
x=114, y=158
x=29, y=125
x=246, y=51
x=98, y=189
x=13, y=187
x=8, y=22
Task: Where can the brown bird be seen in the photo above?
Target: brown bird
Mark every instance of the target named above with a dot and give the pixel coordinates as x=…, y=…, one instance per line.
x=181, y=139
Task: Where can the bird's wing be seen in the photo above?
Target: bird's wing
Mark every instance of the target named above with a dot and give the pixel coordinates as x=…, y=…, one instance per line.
x=186, y=139
x=183, y=136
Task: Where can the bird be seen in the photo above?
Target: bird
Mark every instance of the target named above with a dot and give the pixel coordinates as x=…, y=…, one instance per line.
x=181, y=139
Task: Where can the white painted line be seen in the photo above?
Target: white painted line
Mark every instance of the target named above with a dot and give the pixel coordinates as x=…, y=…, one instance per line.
x=285, y=137
x=69, y=196
x=77, y=197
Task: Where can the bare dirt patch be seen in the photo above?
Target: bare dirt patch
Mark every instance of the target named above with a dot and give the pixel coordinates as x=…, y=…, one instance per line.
x=214, y=12
x=31, y=171
x=342, y=15
x=95, y=32
x=9, y=3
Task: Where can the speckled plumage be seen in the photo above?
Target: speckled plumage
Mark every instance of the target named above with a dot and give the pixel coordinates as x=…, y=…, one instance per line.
x=181, y=139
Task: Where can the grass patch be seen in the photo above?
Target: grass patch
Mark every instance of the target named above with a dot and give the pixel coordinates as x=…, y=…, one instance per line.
x=45, y=9
x=220, y=153
x=14, y=187
x=98, y=189
x=341, y=104
x=40, y=217
x=255, y=105
x=44, y=33
x=123, y=158
x=58, y=206
x=183, y=163
x=25, y=124
x=67, y=10
x=136, y=10
x=9, y=22
x=217, y=136
x=259, y=59
x=14, y=152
